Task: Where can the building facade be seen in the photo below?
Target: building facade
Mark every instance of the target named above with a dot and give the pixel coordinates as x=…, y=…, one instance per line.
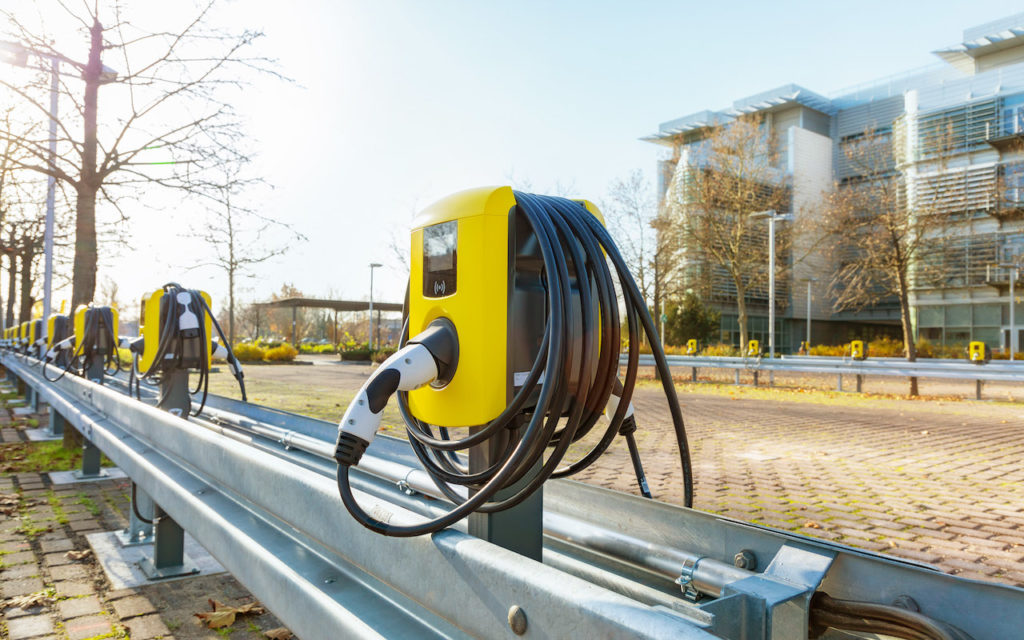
x=974, y=98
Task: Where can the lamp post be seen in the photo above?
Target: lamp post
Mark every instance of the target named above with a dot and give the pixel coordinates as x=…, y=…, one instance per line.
x=772, y=217
x=1014, y=268
x=17, y=54
x=369, y=328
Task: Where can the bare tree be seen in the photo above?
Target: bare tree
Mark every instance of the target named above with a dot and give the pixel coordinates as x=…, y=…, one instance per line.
x=238, y=235
x=881, y=238
x=632, y=217
x=707, y=220
x=170, y=119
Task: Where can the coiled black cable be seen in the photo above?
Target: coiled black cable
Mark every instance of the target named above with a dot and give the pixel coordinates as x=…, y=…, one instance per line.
x=170, y=337
x=582, y=346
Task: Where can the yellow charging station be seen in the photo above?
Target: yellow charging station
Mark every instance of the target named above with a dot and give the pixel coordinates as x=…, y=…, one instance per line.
x=857, y=350
x=471, y=228
x=753, y=348
x=691, y=347
x=978, y=352
x=58, y=328
x=150, y=317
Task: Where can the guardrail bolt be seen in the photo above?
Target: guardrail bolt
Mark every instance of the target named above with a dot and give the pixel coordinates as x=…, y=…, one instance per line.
x=517, y=620
x=906, y=602
x=745, y=559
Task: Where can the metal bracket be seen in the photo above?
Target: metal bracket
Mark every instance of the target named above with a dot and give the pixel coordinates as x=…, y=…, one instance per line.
x=685, y=579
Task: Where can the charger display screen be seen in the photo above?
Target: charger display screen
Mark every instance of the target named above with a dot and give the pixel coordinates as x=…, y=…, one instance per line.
x=440, y=258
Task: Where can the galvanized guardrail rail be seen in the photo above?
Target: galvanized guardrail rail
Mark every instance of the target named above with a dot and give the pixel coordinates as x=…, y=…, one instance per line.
x=998, y=370
x=255, y=486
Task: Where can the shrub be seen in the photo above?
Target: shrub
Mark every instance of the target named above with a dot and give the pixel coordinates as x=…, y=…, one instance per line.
x=720, y=349
x=249, y=353
x=360, y=353
x=284, y=353
x=380, y=355
x=326, y=348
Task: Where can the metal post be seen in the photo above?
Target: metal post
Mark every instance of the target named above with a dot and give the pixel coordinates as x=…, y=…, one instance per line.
x=1013, y=328
x=860, y=382
x=520, y=528
x=168, y=550
x=755, y=378
x=839, y=382
x=808, y=343
x=57, y=423
x=169, y=558
x=771, y=286
x=51, y=187
x=90, y=462
x=295, y=311
x=138, y=532
x=737, y=372
x=694, y=374
x=94, y=370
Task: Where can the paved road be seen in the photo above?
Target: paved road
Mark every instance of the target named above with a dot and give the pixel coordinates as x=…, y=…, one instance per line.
x=926, y=482
x=936, y=481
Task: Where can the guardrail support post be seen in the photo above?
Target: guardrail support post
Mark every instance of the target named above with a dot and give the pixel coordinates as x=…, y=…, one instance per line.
x=977, y=389
x=90, y=461
x=22, y=388
x=693, y=375
x=95, y=370
x=755, y=378
x=57, y=423
x=839, y=382
x=174, y=396
x=737, y=376
x=168, y=550
x=33, y=400
x=138, y=532
x=860, y=382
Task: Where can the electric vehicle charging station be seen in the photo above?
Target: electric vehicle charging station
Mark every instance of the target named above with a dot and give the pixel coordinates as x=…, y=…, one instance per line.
x=512, y=325
x=176, y=336
x=978, y=352
x=857, y=350
x=691, y=347
x=753, y=348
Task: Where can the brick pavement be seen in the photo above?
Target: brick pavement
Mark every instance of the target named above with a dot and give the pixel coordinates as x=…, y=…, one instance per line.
x=940, y=487
x=77, y=601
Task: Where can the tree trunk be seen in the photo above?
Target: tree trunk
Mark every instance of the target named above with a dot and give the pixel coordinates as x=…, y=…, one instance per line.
x=231, y=309
x=27, y=254
x=909, y=347
x=84, y=276
x=12, y=279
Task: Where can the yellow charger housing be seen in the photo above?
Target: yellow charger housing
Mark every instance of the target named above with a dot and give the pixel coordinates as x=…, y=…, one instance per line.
x=150, y=317
x=753, y=348
x=978, y=352
x=82, y=313
x=58, y=329
x=691, y=347
x=465, y=255
x=857, y=350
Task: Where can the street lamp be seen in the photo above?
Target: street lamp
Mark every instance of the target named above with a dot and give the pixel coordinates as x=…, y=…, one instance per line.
x=369, y=337
x=17, y=54
x=772, y=216
x=1014, y=267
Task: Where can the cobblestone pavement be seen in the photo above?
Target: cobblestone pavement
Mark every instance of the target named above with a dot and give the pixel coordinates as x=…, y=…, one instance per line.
x=45, y=523
x=935, y=482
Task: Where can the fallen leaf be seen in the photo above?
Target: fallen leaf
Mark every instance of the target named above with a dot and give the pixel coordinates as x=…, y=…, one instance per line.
x=811, y=524
x=924, y=433
x=224, y=616
x=78, y=555
x=279, y=633
x=37, y=599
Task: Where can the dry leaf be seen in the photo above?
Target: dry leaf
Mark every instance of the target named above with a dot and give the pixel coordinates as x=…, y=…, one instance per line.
x=37, y=599
x=279, y=633
x=78, y=555
x=224, y=616
x=811, y=524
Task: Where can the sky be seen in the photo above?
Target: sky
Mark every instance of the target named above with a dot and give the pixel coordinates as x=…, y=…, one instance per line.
x=395, y=104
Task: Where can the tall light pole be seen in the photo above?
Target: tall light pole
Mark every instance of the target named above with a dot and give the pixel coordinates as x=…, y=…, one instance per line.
x=17, y=54
x=772, y=216
x=1014, y=268
x=369, y=328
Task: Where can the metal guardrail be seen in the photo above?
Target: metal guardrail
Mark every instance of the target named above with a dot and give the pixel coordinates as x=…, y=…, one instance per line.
x=255, y=487
x=1003, y=371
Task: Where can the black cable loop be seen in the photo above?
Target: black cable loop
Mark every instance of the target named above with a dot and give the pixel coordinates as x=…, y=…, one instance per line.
x=575, y=247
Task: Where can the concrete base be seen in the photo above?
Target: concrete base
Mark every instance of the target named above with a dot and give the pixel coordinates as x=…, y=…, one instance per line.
x=23, y=412
x=69, y=477
x=42, y=434
x=121, y=564
x=15, y=402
